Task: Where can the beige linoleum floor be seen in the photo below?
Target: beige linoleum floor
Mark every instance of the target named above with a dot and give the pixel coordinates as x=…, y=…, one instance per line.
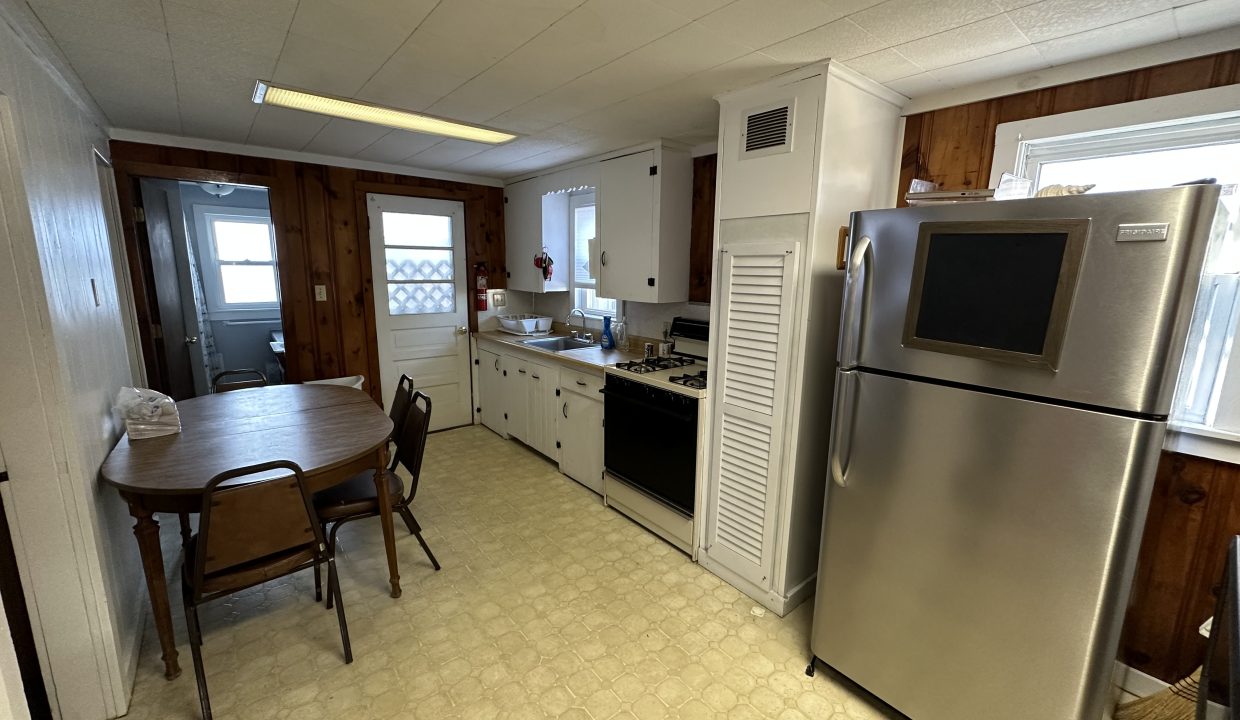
x=548, y=605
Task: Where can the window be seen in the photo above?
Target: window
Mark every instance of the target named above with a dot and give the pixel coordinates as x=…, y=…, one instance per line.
x=1160, y=155
x=238, y=254
x=420, y=264
x=581, y=211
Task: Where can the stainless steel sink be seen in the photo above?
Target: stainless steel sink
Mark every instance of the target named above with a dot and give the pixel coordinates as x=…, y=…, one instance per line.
x=559, y=344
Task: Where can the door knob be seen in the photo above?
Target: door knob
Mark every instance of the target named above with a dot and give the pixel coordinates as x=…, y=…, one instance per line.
x=462, y=330
x=191, y=340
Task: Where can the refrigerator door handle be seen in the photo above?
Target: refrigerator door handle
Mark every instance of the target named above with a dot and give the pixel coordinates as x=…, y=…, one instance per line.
x=847, y=385
x=856, y=301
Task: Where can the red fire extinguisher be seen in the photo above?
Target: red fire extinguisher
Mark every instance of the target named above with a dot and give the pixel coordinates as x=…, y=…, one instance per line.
x=480, y=273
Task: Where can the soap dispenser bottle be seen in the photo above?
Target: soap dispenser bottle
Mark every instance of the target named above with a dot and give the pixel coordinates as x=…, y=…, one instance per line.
x=609, y=340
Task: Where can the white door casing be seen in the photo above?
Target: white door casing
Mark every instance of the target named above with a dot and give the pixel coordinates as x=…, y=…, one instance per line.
x=757, y=283
x=421, y=300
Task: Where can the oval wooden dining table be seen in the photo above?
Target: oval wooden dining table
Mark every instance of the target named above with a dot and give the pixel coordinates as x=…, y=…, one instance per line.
x=332, y=432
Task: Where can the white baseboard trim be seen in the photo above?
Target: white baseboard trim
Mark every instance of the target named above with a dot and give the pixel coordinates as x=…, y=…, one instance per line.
x=1135, y=682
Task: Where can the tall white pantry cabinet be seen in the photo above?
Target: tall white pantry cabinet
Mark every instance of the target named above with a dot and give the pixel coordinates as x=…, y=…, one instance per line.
x=797, y=155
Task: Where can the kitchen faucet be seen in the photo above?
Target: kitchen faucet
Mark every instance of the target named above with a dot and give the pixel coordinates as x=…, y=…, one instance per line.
x=569, y=321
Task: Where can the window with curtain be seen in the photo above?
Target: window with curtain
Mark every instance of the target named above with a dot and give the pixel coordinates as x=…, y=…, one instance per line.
x=1161, y=155
x=581, y=210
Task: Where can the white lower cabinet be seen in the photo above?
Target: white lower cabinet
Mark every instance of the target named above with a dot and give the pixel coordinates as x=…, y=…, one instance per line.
x=529, y=402
x=579, y=424
x=491, y=394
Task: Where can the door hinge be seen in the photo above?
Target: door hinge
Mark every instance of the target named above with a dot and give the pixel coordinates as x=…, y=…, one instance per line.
x=478, y=410
x=505, y=416
x=4, y=477
x=650, y=282
x=557, y=392
x=508, y=274
x=505, y=373
x=505, y=199
x=476, y=361
x=654, y=169
x=139, y=215
x=557, y=447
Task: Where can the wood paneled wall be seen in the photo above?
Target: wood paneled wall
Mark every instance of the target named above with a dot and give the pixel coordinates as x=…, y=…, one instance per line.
x=1194, y=513
x=954, y=146
x=322, y=239
x=702, y=229
x=1196, y=502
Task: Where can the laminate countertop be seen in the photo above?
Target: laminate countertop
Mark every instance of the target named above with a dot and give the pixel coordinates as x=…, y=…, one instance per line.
x=592, y=359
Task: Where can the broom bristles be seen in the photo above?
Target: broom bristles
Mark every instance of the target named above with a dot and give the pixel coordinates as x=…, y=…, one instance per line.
x=1178, y=702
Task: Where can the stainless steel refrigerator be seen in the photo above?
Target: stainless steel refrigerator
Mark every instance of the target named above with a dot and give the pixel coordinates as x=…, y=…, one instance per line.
x=1006, y=370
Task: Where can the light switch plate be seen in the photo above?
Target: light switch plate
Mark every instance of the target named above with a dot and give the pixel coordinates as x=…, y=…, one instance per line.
x=501, y=299
x=320, y=293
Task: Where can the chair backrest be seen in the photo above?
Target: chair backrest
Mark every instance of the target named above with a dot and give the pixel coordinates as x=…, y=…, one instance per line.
x=400, y=406
x=253, y=378
x=271, y=512
x=412, y=443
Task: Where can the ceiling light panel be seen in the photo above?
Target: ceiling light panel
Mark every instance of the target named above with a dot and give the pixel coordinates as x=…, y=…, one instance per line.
x=268, y=94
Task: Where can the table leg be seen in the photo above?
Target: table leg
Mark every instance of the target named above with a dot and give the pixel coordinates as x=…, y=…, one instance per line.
x=385, y=517
x=146, y=530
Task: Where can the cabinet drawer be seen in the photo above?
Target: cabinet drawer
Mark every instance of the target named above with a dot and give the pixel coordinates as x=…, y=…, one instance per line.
x=587, y=384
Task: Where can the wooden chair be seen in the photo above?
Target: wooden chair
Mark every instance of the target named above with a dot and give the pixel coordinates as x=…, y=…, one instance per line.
x=249, y=533
x=256, y=379
x=355, y=498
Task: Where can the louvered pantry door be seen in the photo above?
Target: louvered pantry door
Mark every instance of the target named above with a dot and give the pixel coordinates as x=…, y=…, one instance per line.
x=750, y=405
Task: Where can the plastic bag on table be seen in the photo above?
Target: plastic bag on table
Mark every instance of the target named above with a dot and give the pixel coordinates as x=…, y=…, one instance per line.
x=147, y=413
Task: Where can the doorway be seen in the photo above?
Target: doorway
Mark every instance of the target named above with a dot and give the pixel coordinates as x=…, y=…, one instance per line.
x=213, y=269
x=417, y=249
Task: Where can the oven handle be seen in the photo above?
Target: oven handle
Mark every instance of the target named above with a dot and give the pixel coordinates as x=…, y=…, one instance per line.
x=686, y=417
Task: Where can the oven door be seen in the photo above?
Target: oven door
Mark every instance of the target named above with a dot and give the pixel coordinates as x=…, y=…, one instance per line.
x=1084, y=299
x=650, y=440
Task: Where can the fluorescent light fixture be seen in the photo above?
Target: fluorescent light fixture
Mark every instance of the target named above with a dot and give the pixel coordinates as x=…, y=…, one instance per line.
x=268, y=94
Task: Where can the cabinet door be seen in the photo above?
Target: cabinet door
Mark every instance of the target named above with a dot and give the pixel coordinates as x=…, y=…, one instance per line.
x=523, y=234
x=540, y=383
x=750, y=399
x=626, y=227
x=515, y=392
x=491, y=397
x=580, y=424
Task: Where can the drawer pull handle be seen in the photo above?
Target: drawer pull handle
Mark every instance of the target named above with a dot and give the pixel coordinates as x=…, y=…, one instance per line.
x=581, y=383
x=565, y=411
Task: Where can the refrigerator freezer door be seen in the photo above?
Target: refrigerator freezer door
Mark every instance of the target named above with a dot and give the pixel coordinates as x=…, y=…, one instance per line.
x=977, y=558
x=1116, y=339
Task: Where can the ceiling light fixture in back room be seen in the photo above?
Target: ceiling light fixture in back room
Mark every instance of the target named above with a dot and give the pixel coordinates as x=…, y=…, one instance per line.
x=267, y=94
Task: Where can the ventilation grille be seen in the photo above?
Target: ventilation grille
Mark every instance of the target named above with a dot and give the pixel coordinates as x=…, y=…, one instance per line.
x=744, y=469
x=755, y=291
x=767, y=129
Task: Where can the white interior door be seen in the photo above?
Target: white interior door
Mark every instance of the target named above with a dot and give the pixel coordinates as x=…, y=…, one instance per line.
x=417, y=249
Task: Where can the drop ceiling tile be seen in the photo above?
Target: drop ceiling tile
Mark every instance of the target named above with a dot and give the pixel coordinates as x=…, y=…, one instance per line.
x=360, y=26
x=1207, y=15
x=902, y=21
x=759, y=23
x=1005, y=64
x=212, y=120
x=150, y=114
x=1057, y=18
x=126, y=86
x=1148, y=30
x=883, y=66
x=323, y=67
x=512, y=152
x=138, y=14
x=276, y=13
x=587, y=38
x=284, y=128
x=917, y=85
x=66, y=27
x=733, y=75
x=226, y=32
x=839, y=40
x=396, y=146
x=345, y=138
x=446, y=153
x=985, y=37
x=189, y=53
x=693, y=9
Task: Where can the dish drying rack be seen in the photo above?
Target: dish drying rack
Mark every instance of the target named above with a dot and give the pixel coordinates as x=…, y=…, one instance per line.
x=527, y=325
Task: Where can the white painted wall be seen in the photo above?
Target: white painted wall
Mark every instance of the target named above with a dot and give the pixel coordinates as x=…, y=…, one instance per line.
x=64, y=355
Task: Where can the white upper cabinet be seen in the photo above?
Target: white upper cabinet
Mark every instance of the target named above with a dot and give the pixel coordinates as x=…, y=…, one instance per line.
x=644, y=206
x=526, y=236
x=643, y=202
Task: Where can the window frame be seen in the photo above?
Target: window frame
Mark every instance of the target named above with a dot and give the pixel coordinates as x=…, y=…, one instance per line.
x=579, y=199
x=213, y=283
